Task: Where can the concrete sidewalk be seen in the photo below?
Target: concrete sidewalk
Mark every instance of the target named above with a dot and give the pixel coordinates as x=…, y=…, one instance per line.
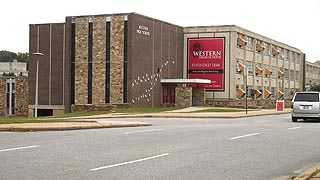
x=191, y=113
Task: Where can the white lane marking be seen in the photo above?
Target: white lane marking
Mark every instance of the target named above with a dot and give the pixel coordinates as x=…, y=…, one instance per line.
x=261, y=122
x=7, y=132
x=18, y=148
x=247, y=135
x=130, y=162
x=150, y=130
x=294, y=128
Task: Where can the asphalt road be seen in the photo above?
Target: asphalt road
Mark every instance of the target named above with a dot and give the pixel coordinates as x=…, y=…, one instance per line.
x=257, y=148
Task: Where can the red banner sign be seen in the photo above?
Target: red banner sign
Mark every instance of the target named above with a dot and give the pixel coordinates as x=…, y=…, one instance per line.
x=206, y=61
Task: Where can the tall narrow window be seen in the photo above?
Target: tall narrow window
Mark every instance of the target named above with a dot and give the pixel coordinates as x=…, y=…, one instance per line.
x=107, y=87
x=10, y=97
x=90, y=63
x=125, y=62
x=73, y=52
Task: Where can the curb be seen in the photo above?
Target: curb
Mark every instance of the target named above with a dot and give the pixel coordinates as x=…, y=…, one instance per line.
x=308, y=174
x=70, y=127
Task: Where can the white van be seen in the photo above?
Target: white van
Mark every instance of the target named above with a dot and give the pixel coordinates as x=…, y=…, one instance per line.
x=305, y=105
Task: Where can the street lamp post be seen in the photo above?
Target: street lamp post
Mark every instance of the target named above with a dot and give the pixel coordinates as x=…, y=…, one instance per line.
x=246, y=74
x=37, y=83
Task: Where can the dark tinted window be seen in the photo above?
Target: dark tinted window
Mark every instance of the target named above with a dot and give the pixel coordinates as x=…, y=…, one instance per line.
x=309, y=97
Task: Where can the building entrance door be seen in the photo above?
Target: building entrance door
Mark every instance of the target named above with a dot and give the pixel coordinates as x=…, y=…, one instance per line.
x=168, y=95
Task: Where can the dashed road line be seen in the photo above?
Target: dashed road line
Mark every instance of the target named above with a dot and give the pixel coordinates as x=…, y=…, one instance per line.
x=294, y=128
x=243, y=136
x=129, y=162
x=257, y=122
x=18, y=148
x=7, y=132
x=150, y=130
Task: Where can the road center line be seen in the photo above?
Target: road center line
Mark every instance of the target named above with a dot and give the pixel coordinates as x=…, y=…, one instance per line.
x=260, y=122
x=150, y=130
x=247, y=135
x=18, y=148
x=130, y=162
x=294, y=128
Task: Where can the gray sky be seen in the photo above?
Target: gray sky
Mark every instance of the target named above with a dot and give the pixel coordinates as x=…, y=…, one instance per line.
x=293, y=22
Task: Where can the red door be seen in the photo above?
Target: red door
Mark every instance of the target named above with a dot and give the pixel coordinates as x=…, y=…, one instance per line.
x=165, y=95
x=168, y=95
x=172, y=95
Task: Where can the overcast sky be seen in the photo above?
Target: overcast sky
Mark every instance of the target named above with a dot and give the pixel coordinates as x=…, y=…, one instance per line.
x=293, y=22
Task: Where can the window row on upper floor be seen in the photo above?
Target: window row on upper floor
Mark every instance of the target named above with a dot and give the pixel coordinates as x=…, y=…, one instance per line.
x=259, y=46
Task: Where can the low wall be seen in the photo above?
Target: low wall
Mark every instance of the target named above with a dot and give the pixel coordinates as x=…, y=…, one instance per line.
x=241, y=103
x=97, y=107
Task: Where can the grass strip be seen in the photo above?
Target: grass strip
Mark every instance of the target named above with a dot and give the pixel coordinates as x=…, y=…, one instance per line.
x=33, y=120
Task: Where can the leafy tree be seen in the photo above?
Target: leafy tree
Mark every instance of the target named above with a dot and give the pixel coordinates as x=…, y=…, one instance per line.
x=22, y=57
x=315, y=87
x=7, y=56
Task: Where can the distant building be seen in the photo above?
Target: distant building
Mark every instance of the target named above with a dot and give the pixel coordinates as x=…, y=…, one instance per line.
x=15, y=67
x=312, y=74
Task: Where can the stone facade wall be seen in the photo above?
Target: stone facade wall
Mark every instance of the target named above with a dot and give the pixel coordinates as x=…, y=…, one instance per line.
x=183, y=97
x=98, y=107
x=81, y=61
x=22, y=94
x=236, y=103
x=116, y=56
x=99, y=60
x=92, y=107
x=199, y=97
x=2, y=96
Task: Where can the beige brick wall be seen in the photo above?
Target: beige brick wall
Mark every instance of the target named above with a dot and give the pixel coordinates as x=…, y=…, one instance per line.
x=99, y=60
x=81, y=61
x=116, y=56
x=2, y=97
x=22, y=94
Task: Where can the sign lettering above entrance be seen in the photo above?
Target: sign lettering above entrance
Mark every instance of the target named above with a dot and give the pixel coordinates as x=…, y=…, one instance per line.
x=144, y=30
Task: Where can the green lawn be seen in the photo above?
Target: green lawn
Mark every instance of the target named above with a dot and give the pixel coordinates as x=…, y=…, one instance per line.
x=145, y=110
x=14, y=120
x=79, y=114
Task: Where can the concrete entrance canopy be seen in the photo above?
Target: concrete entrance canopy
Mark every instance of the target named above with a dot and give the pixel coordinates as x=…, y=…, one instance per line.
x=183, y=95
x=186, y=81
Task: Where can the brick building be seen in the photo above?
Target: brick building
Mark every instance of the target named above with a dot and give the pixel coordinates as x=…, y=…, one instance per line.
x=101, y=60
x=95, y=62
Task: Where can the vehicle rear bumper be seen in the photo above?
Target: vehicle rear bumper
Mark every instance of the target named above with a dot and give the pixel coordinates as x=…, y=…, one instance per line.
x=305, y=115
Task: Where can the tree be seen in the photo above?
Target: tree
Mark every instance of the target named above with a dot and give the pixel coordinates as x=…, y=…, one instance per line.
x=315, y=87
x=7, y=56
x=22, y=57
